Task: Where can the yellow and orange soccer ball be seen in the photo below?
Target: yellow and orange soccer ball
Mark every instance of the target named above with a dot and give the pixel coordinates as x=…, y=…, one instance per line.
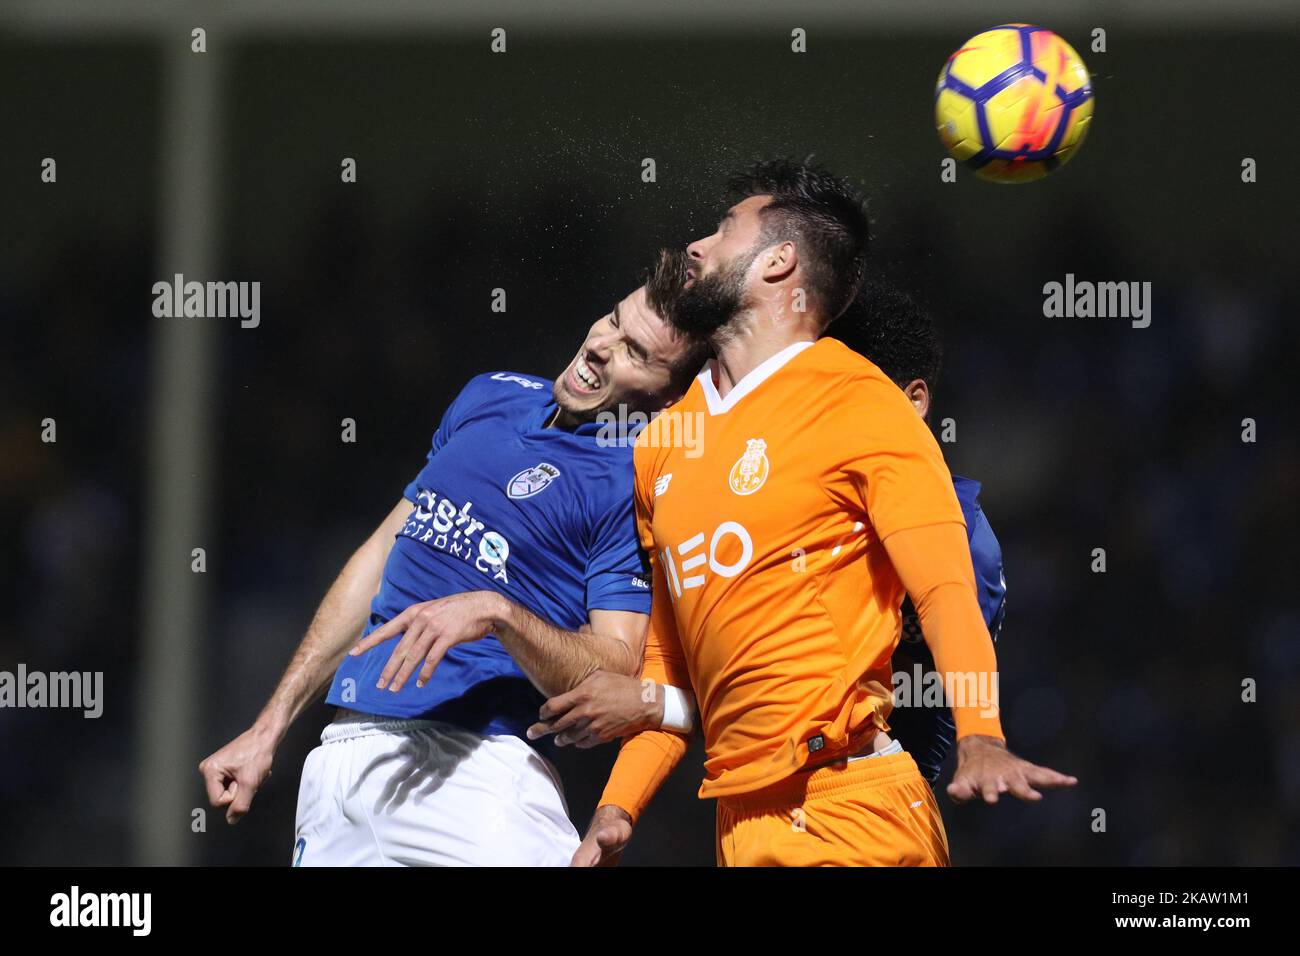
x=1013, y=103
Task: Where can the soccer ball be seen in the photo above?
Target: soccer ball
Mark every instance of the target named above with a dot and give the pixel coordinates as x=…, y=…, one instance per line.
x=1013, y=103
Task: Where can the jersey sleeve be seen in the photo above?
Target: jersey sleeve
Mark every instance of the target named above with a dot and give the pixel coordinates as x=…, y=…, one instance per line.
x=644, y=762
x=894, y=465
x=618, y=578
x=929, y=733
x=646, y=759
x=644, y=471
x=990, y=580
x=452, y=418
x=665, y=662
x=934, y=564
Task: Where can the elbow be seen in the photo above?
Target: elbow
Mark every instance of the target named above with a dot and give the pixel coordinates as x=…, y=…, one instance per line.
x=630, y=664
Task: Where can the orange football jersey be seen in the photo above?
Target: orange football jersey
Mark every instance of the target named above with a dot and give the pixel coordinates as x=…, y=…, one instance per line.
x=765, y=533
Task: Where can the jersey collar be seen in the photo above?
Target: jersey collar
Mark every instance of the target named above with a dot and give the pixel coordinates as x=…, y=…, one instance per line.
x=539, y=420
x=756, y=377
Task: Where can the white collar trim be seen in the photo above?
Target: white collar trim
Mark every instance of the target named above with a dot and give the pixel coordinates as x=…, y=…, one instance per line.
x=756, y=377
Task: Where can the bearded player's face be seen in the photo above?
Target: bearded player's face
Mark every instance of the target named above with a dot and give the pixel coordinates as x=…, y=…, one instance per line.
x=628, y=358
x=738, y=230
x=719, y=270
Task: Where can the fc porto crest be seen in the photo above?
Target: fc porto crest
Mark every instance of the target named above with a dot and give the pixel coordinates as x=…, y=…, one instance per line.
x=532, y=480
x=750, y=470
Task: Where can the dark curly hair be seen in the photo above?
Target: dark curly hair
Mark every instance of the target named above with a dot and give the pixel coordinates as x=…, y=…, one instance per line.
x=885, y=325
x=823, y=215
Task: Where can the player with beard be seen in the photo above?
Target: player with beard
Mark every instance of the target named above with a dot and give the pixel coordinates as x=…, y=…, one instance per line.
x=511, y=564
x=784, y=552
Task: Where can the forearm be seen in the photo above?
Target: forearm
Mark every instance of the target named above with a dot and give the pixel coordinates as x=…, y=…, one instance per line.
x=964, y=656
x=644, y=763
x=336, y=626
x=557, y=660
x=934, y=565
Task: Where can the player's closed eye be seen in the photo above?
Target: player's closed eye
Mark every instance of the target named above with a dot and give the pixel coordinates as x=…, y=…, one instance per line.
x=633, y=349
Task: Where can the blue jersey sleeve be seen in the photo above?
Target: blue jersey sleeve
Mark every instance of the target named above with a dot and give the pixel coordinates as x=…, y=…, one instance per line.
x=618, y=578
x=452, y=418
x=990, y=581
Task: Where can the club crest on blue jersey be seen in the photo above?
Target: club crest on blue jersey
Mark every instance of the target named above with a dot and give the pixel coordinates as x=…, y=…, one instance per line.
x=532, y=480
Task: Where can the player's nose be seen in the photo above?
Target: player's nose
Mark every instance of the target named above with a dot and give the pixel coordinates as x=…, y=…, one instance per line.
x=598, y=347
x=697, y=249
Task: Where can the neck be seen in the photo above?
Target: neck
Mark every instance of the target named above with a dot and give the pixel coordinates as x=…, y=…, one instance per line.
x=751, y=339
x=562, y=419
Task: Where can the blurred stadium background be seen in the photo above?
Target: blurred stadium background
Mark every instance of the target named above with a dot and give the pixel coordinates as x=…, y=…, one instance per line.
x=522, y=171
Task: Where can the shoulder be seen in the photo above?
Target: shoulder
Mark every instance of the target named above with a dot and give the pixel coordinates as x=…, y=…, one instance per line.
x=830, y=356
x=982, y=539
x=494, y=394
x=854, y=393
x=503, y=385
x=968, y=494
x=671, y=427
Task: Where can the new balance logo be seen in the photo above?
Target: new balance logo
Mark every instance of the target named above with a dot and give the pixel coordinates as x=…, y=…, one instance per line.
x=661, y=483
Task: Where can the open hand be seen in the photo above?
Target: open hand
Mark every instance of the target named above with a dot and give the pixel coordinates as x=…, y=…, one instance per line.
x=428, y=631
x=986, y=768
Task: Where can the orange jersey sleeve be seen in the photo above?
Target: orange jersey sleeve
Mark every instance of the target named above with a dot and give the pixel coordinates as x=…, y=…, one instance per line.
x=664, y=661
x=935, y=567
x=644, y=763
x=646, y=759
x=896, y=472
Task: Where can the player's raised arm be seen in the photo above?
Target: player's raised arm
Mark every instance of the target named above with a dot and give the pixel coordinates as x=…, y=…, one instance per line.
x=234, y=773
x=905, y=488
x=933, y=562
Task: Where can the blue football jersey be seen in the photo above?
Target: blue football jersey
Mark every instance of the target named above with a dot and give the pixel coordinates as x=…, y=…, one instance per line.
x=542, y=515
x=928, y=733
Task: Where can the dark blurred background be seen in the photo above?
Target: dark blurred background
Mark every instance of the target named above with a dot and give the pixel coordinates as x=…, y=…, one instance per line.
x=522, y=171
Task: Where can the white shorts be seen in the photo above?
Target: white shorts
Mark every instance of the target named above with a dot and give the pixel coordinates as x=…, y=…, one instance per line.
x=384, y=792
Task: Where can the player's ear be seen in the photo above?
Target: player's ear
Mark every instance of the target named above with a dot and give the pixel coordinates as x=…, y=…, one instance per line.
x=779, y=261
x=918, y=393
